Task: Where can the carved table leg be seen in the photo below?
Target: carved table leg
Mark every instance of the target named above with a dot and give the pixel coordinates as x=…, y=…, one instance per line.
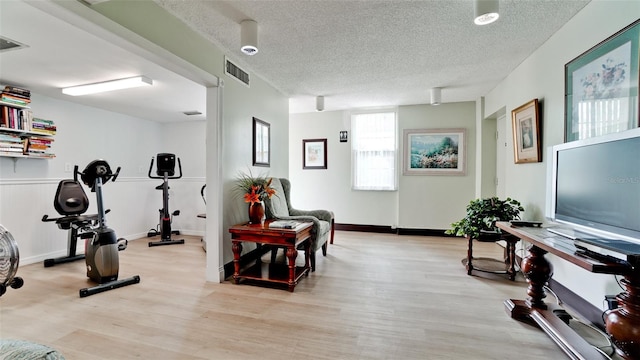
x=470, y=256
x=511, y=257
x=307, y=256
x=292, y=253
x=623, y=323
x=537, y=270
x=237, y=250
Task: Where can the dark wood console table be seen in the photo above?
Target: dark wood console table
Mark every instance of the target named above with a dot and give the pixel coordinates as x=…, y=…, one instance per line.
x=290, y=239
x=622, y=324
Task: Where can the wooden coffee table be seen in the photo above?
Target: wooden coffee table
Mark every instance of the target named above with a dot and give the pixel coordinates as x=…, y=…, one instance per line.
x=289, y=239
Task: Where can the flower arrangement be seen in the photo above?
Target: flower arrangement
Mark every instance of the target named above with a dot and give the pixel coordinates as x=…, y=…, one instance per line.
x=254, y=189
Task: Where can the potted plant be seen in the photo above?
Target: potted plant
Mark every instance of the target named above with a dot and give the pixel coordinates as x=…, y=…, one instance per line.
x=482, y=215
x=254, y=190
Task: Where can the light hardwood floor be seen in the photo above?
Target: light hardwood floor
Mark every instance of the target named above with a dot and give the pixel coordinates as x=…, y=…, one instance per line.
x=374, y=296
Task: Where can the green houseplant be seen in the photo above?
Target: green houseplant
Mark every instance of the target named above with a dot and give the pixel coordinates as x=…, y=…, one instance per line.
x=482, y=214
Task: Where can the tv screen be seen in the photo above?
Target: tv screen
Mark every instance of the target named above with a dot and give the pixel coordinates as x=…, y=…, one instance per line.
x=596, y=185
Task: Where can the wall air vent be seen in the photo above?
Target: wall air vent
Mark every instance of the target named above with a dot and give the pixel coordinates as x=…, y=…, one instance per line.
x=7, y=44
x=235, y=72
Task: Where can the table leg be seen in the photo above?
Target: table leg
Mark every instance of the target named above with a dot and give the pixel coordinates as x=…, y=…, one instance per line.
x=623, y=323
x=511, y=256
x=307, y=257
x=537, y=270
x=292, y=253
x=237, y=250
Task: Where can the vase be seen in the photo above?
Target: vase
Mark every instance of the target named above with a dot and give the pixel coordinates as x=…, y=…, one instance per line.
x=256, y=213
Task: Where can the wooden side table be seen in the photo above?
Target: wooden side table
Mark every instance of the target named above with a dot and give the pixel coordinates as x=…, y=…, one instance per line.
x=289, y=239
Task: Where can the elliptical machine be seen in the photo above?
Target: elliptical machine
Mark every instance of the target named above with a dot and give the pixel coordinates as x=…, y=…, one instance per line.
x=165, y=169
x=101, y=252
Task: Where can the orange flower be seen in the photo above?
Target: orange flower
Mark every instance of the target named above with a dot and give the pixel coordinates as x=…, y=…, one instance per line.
x=252, y=197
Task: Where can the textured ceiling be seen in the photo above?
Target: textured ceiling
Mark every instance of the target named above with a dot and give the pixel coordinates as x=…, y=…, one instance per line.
x=377, y=53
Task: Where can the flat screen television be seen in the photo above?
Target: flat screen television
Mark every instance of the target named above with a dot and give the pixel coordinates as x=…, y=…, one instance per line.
x=594, y=188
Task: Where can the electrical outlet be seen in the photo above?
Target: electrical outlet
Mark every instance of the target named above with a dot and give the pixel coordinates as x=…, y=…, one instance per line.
x=68, y=167
x=612, y=302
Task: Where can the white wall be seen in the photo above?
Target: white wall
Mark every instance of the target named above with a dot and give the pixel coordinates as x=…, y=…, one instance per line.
x=421, y=202
x=542, y=76
x=85, y=134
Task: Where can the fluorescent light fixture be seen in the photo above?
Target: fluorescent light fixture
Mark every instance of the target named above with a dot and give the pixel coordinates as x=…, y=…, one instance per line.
x=319, y=103
x=108, y=86
x=485, y=11
x=249, y=37
x=436, y=96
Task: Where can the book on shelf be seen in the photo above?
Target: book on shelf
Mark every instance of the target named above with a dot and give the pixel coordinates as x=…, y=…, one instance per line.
x=16, y=90
x=12, y=99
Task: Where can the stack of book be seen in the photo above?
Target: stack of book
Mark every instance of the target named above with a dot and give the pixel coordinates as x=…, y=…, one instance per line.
x=42, y=126
x=16, y=95
x=39, y=146
x=13, y=111
x=10, y=143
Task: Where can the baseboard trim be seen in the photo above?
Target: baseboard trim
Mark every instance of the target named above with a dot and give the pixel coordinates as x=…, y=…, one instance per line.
x=389, y=230
x=365, y=228
x=421, y=232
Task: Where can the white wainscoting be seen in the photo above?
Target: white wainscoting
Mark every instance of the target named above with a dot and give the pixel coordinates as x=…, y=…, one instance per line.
x=134, y=204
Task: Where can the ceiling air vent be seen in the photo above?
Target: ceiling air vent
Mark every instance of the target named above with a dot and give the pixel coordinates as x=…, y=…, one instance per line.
x=235, y=72
x=7, y=44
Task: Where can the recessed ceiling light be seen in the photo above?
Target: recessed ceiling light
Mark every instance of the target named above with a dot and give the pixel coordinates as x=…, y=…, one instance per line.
x=485, y=11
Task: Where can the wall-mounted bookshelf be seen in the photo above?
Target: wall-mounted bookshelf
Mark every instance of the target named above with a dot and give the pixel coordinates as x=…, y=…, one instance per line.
x=21, y=134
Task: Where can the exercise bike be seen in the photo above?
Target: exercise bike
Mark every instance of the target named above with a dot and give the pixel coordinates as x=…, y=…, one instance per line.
x=71, y=203
x=101, y=251
x=165, y=170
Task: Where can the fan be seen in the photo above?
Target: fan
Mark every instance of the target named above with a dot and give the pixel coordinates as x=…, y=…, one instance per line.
x=9, y=259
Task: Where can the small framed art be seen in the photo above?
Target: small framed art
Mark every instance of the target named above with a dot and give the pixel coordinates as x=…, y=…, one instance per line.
x=525, y=121
x=314, y=154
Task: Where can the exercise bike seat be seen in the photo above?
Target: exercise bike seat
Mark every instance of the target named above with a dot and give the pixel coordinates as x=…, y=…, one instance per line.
x=71, y=202
x=159, y=187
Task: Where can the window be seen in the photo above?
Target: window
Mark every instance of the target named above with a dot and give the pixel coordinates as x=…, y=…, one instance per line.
x=373, y=151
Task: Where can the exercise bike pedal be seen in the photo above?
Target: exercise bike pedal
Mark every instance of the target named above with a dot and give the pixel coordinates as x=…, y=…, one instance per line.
x=153, y=233
x=122, y=244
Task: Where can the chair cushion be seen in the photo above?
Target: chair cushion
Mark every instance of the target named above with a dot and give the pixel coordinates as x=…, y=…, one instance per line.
x=278, y=201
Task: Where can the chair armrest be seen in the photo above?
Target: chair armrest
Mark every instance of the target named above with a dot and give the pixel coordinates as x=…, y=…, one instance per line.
x=319, y=214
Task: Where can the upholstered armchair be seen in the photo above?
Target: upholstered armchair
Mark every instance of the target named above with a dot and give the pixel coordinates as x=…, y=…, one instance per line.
x=279, y=207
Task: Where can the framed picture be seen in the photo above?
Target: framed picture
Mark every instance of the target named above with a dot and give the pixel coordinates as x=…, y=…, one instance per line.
x=434, y=152
x=314, y=154
x=601, y=87
x=261, y=143
x=525, y=121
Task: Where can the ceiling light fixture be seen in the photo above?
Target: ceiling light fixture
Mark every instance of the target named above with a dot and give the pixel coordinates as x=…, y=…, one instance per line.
x=249, y=37
x=319, y=103
x=108, y=86
x=485, y=11
x=436, y=96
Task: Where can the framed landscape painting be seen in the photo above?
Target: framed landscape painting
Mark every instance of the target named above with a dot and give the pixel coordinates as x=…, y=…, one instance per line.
x=601, y=87
x=434, y=152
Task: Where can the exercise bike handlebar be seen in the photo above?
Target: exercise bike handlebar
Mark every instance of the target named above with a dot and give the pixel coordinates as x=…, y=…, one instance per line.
x=96, y=169
x=168, y=177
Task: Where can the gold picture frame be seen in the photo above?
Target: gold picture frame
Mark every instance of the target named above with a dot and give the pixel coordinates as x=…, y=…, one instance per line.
x=526, y=133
